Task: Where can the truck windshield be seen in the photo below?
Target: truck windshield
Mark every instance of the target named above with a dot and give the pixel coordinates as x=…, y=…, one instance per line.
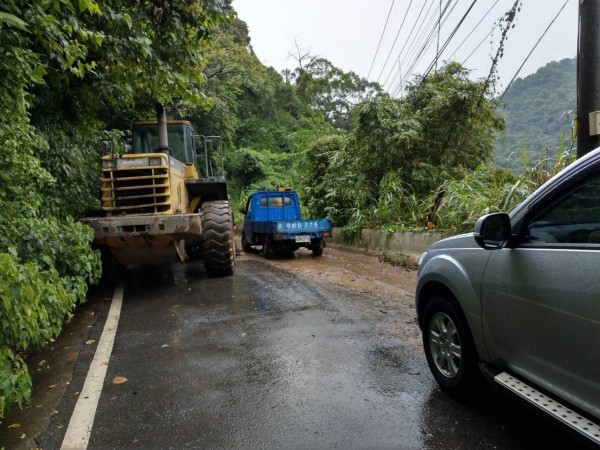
x=145, y=140
x=275, y=200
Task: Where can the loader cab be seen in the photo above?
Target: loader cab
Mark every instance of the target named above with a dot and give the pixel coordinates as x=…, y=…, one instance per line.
x=181, y=140
x=204, y=152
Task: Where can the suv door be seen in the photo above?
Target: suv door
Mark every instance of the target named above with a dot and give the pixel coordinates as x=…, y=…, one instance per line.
x=541, y=298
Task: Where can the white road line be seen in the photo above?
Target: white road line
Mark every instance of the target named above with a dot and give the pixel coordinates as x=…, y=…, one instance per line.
x=78, y=433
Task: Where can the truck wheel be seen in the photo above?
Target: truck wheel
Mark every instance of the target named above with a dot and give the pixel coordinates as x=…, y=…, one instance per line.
x=268, y=249
x=245, y=245
x=317, y=249
x=449, y=348
x=217, y=238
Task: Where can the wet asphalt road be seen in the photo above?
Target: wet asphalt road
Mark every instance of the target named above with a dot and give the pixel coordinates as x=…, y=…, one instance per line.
x=271, y=359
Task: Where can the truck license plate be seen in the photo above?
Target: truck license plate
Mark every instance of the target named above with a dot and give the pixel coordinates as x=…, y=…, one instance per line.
x=303, y=239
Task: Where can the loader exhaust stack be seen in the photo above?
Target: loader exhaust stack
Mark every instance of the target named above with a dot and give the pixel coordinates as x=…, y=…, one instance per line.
x=163, y=137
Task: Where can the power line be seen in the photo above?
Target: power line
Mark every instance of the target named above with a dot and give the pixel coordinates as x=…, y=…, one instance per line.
x=416, y=38
x=437, y=48
x=409, y=37
x=409, y=34
x=534, y=47
x=427, y=33
x=424, y=48
x=450, y=37
x=479, y=45
x=394, y=44
x=473, y=30
x=397, y=35
x=381, y=38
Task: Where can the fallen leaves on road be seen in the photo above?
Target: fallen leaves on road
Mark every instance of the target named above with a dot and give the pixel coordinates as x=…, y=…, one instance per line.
x=14, y=425
x=119, y=380
x=90, y=342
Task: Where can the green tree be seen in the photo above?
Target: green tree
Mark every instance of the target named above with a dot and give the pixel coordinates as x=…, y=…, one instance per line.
x=458, y=120
x=68, y=71
x=331, y=90
x=266, y=125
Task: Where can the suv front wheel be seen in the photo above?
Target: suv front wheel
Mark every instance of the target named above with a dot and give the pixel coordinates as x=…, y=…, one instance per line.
x=449, y=348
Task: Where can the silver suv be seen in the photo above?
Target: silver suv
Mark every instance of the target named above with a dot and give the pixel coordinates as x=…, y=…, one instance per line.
x=518, y=300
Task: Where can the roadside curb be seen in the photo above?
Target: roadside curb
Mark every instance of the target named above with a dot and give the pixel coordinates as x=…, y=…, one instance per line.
x=403, y=249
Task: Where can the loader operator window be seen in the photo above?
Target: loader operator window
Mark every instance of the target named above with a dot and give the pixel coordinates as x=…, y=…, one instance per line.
x=145, y=140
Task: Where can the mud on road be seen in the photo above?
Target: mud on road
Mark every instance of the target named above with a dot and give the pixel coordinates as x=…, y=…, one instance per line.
x=386, y=288
x=386, y=296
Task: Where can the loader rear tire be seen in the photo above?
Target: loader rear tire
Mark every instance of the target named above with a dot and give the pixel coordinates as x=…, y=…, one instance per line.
x=218, y=248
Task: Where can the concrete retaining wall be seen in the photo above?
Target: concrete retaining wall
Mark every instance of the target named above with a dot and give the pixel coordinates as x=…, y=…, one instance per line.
x=397, y=248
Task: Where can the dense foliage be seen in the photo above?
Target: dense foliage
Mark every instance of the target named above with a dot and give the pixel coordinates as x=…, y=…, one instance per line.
x=269, y=120
x=401, y=150
x=330, y=90
x=70, y=71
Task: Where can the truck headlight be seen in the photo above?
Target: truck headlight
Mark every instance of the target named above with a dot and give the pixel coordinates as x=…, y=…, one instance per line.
x=109, y=163
x=155, y=161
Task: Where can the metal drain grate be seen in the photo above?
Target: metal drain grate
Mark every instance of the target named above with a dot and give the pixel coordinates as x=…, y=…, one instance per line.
x=555, y=409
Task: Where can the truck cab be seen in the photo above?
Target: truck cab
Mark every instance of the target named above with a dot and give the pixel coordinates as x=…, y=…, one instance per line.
x=264, y=206
x=273, y=220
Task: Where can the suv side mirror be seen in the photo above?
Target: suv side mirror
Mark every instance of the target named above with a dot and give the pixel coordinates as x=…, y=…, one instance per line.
x=492, y=231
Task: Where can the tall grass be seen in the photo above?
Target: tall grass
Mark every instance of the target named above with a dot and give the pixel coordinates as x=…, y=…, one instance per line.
x=492, y=189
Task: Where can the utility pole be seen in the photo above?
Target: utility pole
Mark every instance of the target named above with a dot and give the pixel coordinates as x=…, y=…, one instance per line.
x=588, y=77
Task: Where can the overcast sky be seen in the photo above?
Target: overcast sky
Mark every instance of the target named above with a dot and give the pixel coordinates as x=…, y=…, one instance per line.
x=347, y=33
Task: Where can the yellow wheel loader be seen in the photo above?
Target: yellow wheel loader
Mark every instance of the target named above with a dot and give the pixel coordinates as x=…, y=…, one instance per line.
x=166, y=200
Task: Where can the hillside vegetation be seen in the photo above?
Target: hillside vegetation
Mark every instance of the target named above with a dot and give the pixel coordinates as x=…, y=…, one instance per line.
x=539, y=109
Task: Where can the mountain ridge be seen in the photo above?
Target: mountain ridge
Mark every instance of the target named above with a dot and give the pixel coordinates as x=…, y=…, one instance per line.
x=539, y=109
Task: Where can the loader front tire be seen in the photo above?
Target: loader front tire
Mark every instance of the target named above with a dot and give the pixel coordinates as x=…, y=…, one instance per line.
x=218, y=248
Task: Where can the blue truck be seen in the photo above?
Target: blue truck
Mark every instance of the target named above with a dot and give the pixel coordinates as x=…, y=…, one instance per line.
x=273, y=220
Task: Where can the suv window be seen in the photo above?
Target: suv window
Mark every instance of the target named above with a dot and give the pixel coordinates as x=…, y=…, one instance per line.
x=575, y=219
